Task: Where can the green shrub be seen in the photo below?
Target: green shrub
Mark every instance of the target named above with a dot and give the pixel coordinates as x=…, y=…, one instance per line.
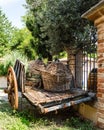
x=4, y=67
x=9, y=60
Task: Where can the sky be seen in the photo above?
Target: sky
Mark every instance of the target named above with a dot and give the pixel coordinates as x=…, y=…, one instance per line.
x=13, y=10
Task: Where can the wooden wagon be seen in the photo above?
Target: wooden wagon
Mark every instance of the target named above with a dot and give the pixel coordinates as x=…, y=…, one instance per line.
x=43, y=100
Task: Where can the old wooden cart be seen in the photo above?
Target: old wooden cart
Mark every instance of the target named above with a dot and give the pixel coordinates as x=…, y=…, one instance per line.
x=43, y=100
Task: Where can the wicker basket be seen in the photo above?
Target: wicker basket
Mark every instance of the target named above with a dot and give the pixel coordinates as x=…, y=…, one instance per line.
x=33, y=75
x=57, y=82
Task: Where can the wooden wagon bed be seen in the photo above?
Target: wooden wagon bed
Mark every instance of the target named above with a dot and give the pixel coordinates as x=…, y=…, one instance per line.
x=47, y=101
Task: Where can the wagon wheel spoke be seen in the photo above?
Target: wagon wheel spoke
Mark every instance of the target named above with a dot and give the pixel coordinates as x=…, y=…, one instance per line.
x=12, y=88
x=12, y=99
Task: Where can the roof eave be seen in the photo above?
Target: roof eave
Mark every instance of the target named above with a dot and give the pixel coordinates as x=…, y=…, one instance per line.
x=95, y=12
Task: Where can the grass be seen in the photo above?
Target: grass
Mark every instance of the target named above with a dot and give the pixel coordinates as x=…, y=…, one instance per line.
x=9, y=60
x=26, y=120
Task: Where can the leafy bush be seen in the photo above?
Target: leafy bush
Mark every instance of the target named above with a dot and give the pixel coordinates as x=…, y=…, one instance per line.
x=9, y=60
x=4, y=67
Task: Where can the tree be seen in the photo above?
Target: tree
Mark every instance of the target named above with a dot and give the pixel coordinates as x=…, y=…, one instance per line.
x=13, y=39
x=58, y=24
x=23, y=42
x=6, y=30
x=33, y=23
x=86, y=5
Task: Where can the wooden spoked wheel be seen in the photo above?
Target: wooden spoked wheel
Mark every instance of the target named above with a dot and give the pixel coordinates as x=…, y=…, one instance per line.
x=12, y=88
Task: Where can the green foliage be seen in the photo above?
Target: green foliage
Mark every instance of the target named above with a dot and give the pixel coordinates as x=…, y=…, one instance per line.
x=63, y=54
x=79, y=124
x=23, y=42
x=62, y=23
x=6, y=31
x=33, y=23
x=4, y=67
x=58, y=23
x=9, y=60
x=60, y=55
x=25, y=121
x=12, y=39
x=86, y=5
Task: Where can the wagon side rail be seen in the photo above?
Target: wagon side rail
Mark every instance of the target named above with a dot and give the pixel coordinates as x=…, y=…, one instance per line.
x=58, y=101
x=19, y=69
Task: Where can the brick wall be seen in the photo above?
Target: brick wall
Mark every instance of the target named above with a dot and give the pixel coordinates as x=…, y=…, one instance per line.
x=96, y=14
x=99, y=23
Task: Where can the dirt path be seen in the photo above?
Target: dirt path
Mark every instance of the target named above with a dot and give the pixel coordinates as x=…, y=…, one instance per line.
x=3, y=82
x=3, y=96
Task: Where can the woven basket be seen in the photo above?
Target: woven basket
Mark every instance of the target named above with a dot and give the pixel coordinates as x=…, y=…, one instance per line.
x=56, y=82
x=33, y=75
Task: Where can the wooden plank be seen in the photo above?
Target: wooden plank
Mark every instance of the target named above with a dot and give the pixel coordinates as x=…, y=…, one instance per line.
x=52, y=105
x=64, y=105
x=41, y=96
